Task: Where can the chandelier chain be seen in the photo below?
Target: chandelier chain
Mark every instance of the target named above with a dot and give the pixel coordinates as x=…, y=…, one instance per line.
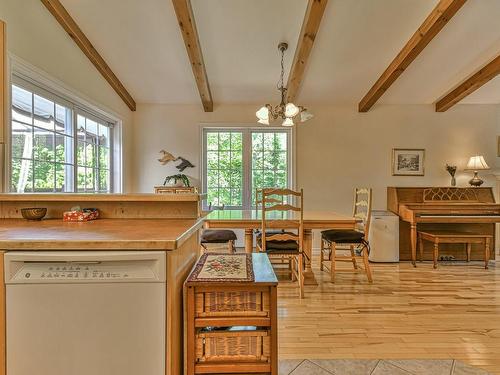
x=281, y=83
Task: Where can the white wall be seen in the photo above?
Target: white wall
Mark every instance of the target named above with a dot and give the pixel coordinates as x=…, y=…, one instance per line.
x=348, y=149
x=176, y=129
x=35, y=36
x=336, y=151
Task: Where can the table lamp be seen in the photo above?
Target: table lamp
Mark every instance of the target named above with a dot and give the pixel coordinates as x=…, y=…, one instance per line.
x=475, y=164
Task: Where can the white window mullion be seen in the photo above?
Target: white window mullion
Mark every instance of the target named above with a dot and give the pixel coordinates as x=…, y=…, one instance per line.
x=111, y=181
x=75, y=150
x=247, y=169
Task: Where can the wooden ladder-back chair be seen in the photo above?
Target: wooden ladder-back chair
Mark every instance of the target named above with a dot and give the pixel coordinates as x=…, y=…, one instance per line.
x=282, y=229
x=258, y=209
x=356, y=239
x=269, y=200
x=211, y=239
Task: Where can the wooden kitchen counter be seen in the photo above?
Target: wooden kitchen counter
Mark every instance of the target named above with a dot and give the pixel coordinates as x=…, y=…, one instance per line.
x=103, y=234
x=177, y=237
x=161, y=222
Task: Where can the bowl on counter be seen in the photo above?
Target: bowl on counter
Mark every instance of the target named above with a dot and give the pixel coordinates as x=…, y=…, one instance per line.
x=34, y=213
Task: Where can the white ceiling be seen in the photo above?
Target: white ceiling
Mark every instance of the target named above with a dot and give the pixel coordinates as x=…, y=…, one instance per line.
x=240, y=40
x=141, y=42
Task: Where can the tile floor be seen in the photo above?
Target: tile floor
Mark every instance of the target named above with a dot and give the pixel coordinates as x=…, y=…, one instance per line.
x=376, y=367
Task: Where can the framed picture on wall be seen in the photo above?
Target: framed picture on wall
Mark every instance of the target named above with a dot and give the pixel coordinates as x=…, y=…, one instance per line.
x=408, y=161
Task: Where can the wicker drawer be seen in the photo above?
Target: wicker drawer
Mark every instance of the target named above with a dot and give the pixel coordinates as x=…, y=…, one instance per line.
x=233, y=346
x=232, y=303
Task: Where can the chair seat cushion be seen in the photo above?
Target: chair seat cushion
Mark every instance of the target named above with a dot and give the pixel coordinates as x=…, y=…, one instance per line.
x=217, y=236
x=288, y=246
x=343, y=236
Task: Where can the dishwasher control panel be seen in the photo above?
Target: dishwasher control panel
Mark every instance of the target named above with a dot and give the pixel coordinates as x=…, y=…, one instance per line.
x=83, y=272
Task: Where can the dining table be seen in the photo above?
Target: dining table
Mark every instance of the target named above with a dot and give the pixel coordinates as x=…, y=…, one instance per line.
x=250, y=220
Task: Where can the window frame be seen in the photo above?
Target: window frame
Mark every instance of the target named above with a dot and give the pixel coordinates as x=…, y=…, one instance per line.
x=247, y=158
x=28, y=77
x=111, y=126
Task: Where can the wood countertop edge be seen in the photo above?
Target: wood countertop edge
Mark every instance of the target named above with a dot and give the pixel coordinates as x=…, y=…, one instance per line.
x=146, y=197
x=197, y=225
x=51, y=244
x=104, y=245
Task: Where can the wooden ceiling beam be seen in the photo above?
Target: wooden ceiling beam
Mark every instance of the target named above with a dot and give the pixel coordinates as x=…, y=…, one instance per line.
x=187, y=24
x=68, y=23
x=312, y=19
x=478, y=79
x=432, y=25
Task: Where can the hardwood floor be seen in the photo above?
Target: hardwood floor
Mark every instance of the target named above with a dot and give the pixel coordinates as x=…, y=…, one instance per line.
x=407, y=313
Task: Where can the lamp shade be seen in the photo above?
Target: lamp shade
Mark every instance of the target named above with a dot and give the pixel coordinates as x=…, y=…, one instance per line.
x=291, y=110
x=305, y=115
x=263, y=114
x=288, y=122
x=476, y=163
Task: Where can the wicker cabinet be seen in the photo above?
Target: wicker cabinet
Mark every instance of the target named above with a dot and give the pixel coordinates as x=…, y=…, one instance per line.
x=231, y=327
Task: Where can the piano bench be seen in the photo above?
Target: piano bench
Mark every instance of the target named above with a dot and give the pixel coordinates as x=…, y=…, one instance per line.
x=468, y=238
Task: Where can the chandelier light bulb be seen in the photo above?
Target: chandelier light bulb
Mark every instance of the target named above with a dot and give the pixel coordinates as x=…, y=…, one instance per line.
x=291, y=110
x=288, y=122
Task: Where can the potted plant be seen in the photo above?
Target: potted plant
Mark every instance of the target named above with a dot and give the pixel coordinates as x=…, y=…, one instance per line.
x=452, y=169
x=177, y=180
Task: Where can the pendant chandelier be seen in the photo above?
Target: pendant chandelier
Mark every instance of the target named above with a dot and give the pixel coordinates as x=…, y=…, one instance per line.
x=288, y=112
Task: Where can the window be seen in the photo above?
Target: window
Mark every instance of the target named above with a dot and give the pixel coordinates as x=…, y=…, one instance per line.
x=238, y=161
x=269, y=160
x=56, y=146
x=93, y=154
x=225, y=168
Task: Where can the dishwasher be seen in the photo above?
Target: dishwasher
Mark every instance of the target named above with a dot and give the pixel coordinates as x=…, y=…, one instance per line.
x=85, y=312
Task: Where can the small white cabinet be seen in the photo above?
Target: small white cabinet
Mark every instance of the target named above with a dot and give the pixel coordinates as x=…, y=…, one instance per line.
x=384, y=237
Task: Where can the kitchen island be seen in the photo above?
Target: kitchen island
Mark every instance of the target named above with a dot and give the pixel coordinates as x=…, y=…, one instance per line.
x=167, y=224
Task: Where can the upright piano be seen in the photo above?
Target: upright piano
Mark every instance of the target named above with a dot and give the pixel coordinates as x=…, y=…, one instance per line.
x=442, y=208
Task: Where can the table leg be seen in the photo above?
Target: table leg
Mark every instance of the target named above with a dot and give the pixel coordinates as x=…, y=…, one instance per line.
x=309, y=278
x=469, y=248
x=248, y=241
x=413, y=238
